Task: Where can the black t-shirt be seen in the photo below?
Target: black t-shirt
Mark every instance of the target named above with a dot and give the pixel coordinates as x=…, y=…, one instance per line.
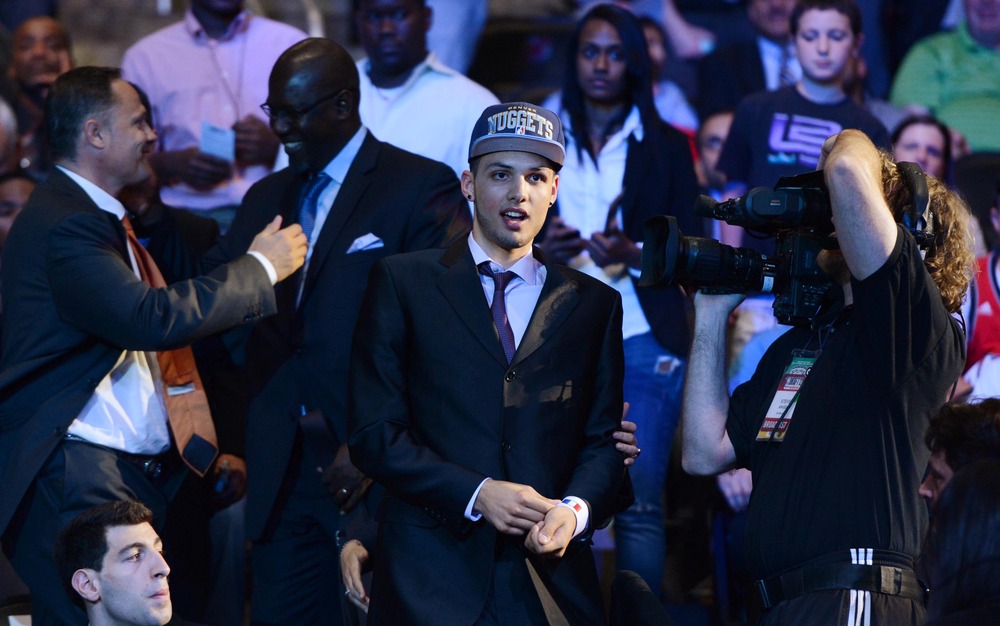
x=847, y=473
x=780, y=133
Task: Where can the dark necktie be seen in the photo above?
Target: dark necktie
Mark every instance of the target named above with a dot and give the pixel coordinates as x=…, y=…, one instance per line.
x=310, y=202
x=187, y=406
x=499, y=307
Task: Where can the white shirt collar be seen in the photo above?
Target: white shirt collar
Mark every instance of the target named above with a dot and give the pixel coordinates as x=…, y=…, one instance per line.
x=526, y=267
x=239, y=25
x=338, y=166
x=430, y=64
x=631, y=126
x=103, y=200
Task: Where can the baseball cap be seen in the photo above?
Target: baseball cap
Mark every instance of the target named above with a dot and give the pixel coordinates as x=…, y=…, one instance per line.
x=521, y=127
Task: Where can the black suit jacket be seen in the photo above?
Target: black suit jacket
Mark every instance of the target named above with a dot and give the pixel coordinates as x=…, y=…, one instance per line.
x=73, y=304
x=435, y=408
x=298, y=358
x=727, y=75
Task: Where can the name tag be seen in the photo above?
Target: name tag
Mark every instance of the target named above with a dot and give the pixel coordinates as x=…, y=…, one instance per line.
x=786, y=396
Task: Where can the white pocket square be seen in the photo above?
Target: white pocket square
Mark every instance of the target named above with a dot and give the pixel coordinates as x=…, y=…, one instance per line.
x=366, y=242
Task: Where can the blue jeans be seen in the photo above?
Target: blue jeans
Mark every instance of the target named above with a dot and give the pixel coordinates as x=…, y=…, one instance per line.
x=653, y=382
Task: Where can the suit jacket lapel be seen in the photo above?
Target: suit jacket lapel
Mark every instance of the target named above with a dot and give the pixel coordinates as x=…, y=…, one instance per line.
x=462, y=288
x=558, y=299
x=347, y=201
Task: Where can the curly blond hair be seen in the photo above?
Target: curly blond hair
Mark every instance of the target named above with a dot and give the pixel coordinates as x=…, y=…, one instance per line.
x=950, y=259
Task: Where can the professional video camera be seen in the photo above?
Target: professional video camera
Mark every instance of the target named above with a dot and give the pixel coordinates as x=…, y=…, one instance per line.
x=796, y=213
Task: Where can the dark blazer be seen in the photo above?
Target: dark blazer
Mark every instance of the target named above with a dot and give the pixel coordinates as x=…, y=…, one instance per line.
x=435, y=408
x=298, y=358
x=727, y=75
x=72, y=305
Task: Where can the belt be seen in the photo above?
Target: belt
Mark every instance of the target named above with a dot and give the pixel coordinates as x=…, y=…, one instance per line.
x=156, y=467
x=886, y=579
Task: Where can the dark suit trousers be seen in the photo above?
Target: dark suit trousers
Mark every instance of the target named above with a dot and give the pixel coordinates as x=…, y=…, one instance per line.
x=76, y=477
x=296, y=568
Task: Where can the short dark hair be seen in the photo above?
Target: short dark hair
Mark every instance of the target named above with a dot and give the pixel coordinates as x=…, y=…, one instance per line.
x=846, y=7
x=83, y=543
x=966, y=432
x=76, y=95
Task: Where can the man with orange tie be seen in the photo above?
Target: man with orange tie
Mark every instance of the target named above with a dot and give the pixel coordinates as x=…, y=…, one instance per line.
x=98, y=401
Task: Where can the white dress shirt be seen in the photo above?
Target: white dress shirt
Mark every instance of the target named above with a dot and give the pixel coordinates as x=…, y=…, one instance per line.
x=432, y=114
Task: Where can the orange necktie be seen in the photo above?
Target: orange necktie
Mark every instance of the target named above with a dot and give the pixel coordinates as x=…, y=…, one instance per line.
x=187, y=406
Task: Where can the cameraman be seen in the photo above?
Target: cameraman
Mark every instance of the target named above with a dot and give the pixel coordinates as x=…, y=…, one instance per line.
x=835, y=517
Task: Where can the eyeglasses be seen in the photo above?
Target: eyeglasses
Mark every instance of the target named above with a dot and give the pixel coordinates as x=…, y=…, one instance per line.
x=295, y=116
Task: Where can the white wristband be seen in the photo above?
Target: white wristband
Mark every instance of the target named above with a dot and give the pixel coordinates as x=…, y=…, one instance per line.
x=579, y=509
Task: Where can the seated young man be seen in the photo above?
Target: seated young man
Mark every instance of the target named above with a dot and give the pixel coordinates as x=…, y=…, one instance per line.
x=110, y=559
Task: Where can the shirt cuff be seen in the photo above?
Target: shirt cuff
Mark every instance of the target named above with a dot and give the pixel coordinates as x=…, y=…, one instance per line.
x=471, y=513
x=272, y=275
x=580, y=509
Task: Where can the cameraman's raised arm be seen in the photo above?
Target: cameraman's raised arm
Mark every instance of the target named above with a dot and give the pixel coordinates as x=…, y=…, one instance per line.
x=866, y=230
x=705, y=445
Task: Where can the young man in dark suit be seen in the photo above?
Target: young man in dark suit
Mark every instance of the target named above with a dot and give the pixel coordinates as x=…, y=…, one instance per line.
x=491, y=433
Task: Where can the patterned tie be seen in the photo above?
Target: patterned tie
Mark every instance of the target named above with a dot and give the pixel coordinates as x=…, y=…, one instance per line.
x=499, y=307
x=187, y=406
x=310, y=202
